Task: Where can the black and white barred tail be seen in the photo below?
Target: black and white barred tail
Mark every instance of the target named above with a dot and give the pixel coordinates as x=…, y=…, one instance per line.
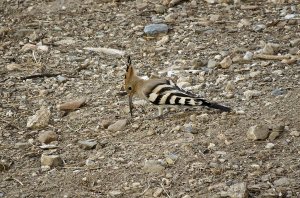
x=168, y=93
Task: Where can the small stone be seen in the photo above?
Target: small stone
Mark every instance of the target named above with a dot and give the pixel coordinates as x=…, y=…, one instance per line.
x=47, y=136
x=186, y=196
x=170, y=18
x=40, y=119
x=118, y=126
x=284, y=181
x=87, y=144
x=22, y=145
x=13, y=67
x=249, y=94
x=254, y=73
x=193, y=117
x=153, y=166
x=211, y=63
x=243, y=22
x=43, y=48
x=277, y=72
x=203, y=117
x=191, y=45
x=278, y=92
x=160, y=9
x=71, y=105
x=51, y=160
x=66, y=41
x=157, y=192
x=295, y=42
x=61, y=79
x=269, y=145
x=163, y=40
x=259, y=27
x=268, y=49
x=156, y=28
x=105, y=123
x=197, y=63
x=115, y=193
x=238, y=190
x=248, y=56
x=295, y=133
x=273, y=135
x=4, y=165
x=294, y=50
x=258, y=132
x=226, y=62
x=28, y=47
x=211, y=146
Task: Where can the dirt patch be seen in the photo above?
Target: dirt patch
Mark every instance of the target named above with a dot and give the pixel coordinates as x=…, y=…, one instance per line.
x=49, y=57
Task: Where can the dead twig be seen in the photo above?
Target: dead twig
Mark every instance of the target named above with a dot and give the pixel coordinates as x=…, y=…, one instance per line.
x=271, y=57
x=39, y=76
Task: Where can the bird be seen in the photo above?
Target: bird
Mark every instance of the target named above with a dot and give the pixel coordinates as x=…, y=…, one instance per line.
x=161, y=92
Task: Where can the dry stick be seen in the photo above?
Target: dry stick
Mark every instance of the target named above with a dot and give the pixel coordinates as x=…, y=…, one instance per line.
x=164, y=190
x=40, y=75
x=271, y=57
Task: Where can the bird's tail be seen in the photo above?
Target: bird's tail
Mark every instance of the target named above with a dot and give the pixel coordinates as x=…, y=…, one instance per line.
x=203, y=102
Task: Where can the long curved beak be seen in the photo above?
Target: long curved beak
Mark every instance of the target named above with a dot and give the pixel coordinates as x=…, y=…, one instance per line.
x=130, y=104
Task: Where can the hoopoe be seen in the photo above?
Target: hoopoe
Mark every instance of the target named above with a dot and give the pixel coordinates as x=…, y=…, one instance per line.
x=162, y=92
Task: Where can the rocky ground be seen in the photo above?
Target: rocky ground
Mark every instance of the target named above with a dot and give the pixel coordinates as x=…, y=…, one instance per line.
x=65, y=125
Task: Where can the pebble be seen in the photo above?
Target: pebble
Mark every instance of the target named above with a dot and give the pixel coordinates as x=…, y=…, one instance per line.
x=269, y=145
x=226, y=62
x=273, y=135
x=156, y=28
x=66, y=41
x=277, y=72
x=186, y=196
x=47, y=136
x=268, y=49
x=249, y=94
x=170, y=18
x=211, y=63
x=118, y=126
x=51, y=160
x=163, y=40
x=13, y=67
x=40, y=119
x=258, y=132
x=284, y=181
x=248, y=56
x=295, y=133
x=254, y=73
x=22, y=145
x=160, y=9
x=107, y=51
x=157, y=192
x=238, y=190
x=87, y=144
x=71, y=105
x=28, y=47
x=259, y=27
x=115, y=193
x=278, y=92
x=153, y=166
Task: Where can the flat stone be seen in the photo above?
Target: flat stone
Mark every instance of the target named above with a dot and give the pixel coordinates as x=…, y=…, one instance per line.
x=115, y=193
x=153, y=166
x=273, y=135
x=278, y=92
x=226, y=62
x=47, y=136
x=87, y=144
x=211, y=63
x=40, y=119
x=258, y=132
x=269, y=146
x=238, y=190
x=51, y=160
x=118, y=126
x=156, y=28
x=284, y=181
x=251, y=93
x=157, y=192
x=22, y=145
x=295, y=133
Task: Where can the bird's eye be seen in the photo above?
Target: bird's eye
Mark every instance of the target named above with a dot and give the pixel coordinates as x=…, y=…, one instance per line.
x=129, y=88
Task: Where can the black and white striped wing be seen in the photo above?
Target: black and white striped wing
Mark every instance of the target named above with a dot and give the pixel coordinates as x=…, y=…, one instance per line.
x=168, y=93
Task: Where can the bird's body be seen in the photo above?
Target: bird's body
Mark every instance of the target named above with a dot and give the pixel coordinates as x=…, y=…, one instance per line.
x=162, y=92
